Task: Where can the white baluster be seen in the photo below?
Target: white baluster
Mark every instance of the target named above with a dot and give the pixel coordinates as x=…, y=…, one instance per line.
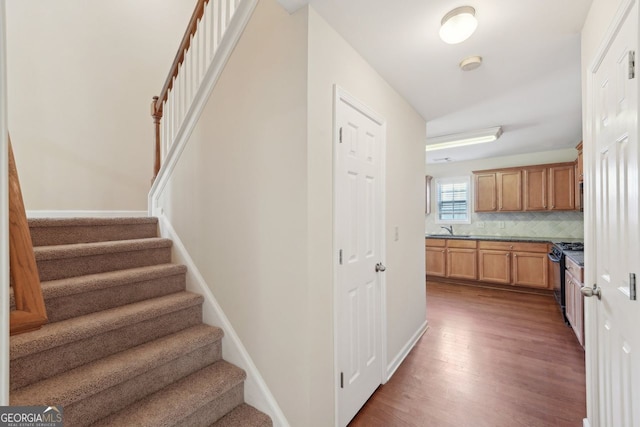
x=223, y=17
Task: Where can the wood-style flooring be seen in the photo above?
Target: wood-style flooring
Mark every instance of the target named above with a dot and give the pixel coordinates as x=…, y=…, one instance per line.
x=489, y=358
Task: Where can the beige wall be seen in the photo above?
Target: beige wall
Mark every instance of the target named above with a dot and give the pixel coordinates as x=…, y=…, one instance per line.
x=333, y=61
x=81, y=77
x=527, y=224
x=238, y=200
x=251, y=199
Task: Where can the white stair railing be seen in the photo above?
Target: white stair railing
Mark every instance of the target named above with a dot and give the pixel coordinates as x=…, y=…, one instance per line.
x=213, y=30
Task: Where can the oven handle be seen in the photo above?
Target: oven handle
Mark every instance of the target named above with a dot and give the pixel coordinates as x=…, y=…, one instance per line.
x=553, y=258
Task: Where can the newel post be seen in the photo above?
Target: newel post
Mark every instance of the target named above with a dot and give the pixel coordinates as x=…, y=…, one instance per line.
x=156, y=113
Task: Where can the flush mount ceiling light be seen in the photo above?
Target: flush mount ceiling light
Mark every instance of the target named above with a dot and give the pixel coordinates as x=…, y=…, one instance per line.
x=462, y=139
x=458, y=25
x=470, y=63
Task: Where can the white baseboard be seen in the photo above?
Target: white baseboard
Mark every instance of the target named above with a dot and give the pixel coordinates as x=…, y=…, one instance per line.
x=586, y=423
x=85, y=214
x=256, y=392
x=406, y=349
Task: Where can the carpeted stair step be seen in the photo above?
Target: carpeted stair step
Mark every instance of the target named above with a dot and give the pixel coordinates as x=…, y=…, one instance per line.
x=62, y=261
x=98, y=389
x=244, y=416
x=65, y=231
x=197, y=400
x=80, y=295
x=62, y=346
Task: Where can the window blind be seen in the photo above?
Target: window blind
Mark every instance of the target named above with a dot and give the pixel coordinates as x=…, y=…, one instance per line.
x=452, y=201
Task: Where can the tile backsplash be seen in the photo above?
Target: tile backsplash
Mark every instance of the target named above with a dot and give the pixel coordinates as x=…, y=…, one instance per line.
x=518, y=224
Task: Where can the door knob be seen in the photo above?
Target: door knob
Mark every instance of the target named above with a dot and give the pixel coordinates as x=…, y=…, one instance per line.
x=380, y=267
x=589, y=292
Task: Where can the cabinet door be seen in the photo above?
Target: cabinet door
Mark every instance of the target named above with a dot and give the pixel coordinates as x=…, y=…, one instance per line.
x=436, y=261
x=530, y=269
x=535, y=189
x=562, y=188
x=569, y=296
x=494, y=266
x=485, y=192
x=462, y=264
x=509, y=191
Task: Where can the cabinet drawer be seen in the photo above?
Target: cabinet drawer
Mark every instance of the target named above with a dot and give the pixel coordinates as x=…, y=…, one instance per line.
x=574, y=269
x=469, y=244
x=435, y=243
x=513, y=246
x=496, y=246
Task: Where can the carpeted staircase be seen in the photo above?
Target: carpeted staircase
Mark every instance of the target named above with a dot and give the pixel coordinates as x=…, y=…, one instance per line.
x=125, y=344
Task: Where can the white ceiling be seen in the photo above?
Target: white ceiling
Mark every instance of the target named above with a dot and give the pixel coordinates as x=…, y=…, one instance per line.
x=529, y=82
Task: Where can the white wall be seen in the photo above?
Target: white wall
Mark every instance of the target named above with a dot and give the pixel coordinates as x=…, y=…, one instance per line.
x=238, y=200
x=81, y=77
x=526, y=224
x=333, y=61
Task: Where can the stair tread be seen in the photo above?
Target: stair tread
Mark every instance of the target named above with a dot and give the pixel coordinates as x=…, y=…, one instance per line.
x=90, y=282
x=77, y=328
x=91, y=221
x=90, y=379
x=244, y=416
x=73, y=250
x=169, y=405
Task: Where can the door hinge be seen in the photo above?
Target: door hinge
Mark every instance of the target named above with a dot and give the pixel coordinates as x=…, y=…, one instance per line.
x=632, y=64
x=340, y=256
x=340, y=136
x=341, y=379
x=632, y=287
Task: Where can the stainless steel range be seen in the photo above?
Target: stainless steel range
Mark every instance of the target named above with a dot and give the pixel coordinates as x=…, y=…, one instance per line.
x=558, y=257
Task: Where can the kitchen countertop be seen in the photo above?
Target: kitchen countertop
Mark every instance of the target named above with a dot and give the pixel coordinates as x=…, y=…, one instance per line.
x=576, y=256
x=503, y=238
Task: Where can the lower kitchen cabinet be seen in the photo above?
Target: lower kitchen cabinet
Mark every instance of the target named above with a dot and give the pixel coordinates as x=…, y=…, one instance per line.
x=514, y=263
x=436, y=257
x=494, y=266
x=462, y=259
x=573, y=297
x=530, y=269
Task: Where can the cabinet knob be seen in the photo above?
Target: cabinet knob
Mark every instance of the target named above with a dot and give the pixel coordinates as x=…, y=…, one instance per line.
x=507, y=255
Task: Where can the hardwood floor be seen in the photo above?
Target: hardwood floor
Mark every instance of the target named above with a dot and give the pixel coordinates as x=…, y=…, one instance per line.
x=489, y=358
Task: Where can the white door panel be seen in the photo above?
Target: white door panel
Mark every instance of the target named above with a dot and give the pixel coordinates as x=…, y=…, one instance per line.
x=615, y=343
x=359, y=153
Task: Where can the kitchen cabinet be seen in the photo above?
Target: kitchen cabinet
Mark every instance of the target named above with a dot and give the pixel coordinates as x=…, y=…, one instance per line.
x=562, y=188
x=579, y=164
x=535, y=188
x=529, y=188
x=574, y=303
x=498, y=191
x=451, y=258
x=462, y=259
x=485, y=194
x=514, y=263
x=509, y=190
x=435, y=257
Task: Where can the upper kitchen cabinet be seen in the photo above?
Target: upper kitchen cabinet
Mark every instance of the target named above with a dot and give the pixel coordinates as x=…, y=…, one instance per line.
x=498, y=191
x=529, y=188
x=579, y=164
x=485, y=194
x=562, y=188
x=509, y=190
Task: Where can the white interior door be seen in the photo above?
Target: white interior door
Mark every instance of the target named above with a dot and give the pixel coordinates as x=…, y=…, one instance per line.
x=616, y=347
x=359, y=237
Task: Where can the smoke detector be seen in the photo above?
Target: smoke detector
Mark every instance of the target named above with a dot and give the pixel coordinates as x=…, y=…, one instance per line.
x=471, y=63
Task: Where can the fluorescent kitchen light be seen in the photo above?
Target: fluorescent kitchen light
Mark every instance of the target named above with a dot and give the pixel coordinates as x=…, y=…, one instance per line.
x=462, y=139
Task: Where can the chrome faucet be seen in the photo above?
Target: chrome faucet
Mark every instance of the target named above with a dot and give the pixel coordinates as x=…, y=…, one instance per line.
x=449, y=229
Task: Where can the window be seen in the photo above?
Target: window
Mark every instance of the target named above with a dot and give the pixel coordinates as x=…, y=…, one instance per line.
x=453, y=200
